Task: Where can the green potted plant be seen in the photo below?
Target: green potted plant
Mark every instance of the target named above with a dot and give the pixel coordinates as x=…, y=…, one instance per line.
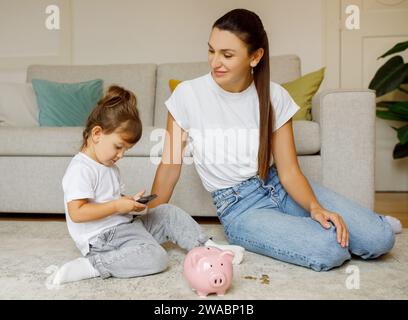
x=393, y=75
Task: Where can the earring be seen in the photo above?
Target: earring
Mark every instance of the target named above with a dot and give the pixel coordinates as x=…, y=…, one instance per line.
x=252, y=67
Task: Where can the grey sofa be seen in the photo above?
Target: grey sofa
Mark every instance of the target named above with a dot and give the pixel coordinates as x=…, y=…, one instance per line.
x=336, y=148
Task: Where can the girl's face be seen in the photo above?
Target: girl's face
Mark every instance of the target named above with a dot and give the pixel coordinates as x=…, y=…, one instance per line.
x=107, y=149
x=229, y=59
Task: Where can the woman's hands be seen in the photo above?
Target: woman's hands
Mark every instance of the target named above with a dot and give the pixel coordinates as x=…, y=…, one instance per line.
x=128, y=204
x=323, y=216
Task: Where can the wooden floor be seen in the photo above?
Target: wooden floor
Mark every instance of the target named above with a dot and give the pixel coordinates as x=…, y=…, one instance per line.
x=393, y=204
x=387, y=203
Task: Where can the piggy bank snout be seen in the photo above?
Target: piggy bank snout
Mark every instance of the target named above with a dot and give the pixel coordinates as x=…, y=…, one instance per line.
x=218, y=280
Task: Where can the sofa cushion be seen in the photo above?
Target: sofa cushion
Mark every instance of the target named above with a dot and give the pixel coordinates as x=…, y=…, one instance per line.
x=66, y=141
x=66, y=104
x=18, y=105
x=283, y=69
x=139, y=78
x=63, y=141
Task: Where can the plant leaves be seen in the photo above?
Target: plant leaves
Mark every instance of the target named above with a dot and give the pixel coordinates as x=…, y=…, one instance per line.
x=403, y=134
x=400, y=107
x=385, y=104
x=397, y=48
x=402, y=89
x=400, y=151
x=388, y=115
x=390, y=76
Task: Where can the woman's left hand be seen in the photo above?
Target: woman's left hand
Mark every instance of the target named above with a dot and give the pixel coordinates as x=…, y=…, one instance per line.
x=323, y=216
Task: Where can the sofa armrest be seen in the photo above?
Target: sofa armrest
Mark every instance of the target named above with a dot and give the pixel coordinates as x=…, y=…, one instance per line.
x=347, y=132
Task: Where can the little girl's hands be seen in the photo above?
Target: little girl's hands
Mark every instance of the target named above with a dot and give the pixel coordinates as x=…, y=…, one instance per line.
x=128, y=204
x=138, y=195
x=139, y=206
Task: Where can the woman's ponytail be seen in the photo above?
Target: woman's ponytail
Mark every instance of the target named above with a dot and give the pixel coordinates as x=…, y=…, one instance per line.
x=247, y=26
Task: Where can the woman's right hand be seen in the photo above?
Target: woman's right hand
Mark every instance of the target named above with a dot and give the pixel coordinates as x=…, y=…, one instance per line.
x=168, y=171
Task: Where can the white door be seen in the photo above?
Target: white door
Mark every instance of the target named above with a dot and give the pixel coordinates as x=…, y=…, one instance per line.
x=383, y=23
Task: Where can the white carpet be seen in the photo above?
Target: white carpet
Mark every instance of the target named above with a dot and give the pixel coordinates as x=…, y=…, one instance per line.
x=27, y=248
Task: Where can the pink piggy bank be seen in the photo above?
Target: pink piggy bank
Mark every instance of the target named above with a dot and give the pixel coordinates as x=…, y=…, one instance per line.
x=208, y=270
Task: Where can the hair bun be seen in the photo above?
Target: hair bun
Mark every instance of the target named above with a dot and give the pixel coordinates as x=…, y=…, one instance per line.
x=116, y=95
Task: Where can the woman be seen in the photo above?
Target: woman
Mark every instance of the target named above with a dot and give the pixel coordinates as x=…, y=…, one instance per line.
x=270, y=210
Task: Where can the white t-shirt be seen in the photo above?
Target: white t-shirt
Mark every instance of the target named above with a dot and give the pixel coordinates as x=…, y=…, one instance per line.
x=86, y=178
x=223, y=127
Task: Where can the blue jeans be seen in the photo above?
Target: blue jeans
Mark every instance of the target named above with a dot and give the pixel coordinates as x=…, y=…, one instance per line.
x=263, y=218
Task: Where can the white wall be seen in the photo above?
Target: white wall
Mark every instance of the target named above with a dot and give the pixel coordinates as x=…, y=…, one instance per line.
x=157, y=31
x=24, y=38
x=128, y=31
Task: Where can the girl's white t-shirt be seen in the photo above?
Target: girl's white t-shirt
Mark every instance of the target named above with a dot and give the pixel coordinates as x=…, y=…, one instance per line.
x=86, y=178
x=223, y=127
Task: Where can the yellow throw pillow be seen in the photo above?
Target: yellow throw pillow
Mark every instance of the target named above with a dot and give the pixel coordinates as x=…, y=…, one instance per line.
x=301, y=90
x=173, y=84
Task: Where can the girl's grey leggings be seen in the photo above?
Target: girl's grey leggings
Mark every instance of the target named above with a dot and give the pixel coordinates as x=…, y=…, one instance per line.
x=134, y=249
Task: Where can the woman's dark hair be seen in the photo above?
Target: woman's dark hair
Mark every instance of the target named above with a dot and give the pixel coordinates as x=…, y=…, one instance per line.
x=248, y=27
x=115, y=112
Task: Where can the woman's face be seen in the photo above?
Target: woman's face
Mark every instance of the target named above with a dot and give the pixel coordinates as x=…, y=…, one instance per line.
x=228, y=58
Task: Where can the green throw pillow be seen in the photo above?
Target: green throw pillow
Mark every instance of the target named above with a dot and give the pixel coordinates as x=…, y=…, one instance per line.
x=66, y=104
x=302, y=91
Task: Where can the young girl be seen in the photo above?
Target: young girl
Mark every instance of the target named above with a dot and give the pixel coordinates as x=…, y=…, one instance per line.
x=112, y=240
